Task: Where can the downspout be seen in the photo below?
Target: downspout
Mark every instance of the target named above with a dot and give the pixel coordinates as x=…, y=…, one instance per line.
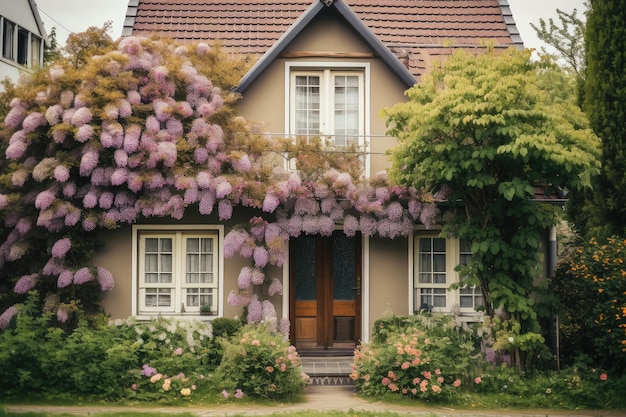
x=554, y=320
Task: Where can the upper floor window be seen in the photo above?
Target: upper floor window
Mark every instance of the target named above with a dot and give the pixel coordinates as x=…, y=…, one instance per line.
x=328, y=102
x=178, y=271
x=8, y=39
x=20, y=45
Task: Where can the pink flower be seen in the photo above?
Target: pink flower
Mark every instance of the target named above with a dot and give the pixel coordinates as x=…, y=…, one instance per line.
x=5, y=318
x=25, y=284
x=61, y=247
x=84, y=133
x=386, y=381
x=15, y=150
x=478, y=380
x=65, y=278
x=239, y=394
x=456, y=383
x=225, y=209
x=134, y=387
x=436, y=389
x=245, y=277
x=225, y=394
x=603, y=377
x=270, y=203
x=105, y=279
x=258, y=277
x=261, y=256
x=223, y=189
x=255, y=310
x=82, y=276
x=178, y=351
x=33, y=121
x=276, y=287
x=81, y=117
x=88, y=162
x=405, y=365
x=44, y=199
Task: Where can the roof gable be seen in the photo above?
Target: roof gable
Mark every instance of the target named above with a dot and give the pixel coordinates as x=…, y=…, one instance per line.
x=415, y=31
x=311, y=13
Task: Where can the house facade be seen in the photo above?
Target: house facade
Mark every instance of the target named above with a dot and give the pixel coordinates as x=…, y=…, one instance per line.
x=322, y=68
x=22, y=38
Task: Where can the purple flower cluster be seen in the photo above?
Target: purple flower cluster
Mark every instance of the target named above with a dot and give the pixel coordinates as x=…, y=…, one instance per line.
x=6, y=316
x=25, y=283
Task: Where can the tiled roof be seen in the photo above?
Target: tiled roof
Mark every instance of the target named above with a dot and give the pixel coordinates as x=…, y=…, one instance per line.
x=415, y=30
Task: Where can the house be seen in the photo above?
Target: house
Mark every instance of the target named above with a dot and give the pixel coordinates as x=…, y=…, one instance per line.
x=321, y=67
x=22, y=36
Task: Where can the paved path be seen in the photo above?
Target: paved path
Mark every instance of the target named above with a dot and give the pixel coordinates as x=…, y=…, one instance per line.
x=318, y=398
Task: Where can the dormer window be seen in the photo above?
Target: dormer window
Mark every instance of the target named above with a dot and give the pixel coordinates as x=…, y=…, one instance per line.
x=328, y=103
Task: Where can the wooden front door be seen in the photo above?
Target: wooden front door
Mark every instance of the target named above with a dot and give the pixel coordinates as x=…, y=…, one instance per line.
x=325, y=291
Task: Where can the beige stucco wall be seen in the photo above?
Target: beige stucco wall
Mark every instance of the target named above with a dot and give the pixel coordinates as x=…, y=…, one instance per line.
x=264, y=101
x=389, y=274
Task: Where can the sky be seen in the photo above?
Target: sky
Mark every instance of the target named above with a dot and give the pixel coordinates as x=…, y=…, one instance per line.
x=77, y=15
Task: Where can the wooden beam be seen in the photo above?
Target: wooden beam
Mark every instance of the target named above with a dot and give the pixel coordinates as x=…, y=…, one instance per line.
x=320, y=54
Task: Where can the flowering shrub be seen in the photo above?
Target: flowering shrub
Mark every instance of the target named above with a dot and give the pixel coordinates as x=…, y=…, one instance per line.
x=589, y=285
x=139, y=131
x=418, y=356
x=260, y=363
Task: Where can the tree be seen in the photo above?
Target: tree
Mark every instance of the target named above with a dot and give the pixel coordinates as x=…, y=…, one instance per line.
x=568, y=41
x=79, y=47
x=605, y=105
x=481, y=132
x=51, y=50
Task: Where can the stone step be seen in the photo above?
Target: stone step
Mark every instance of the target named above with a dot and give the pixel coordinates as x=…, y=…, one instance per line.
x=328, y=370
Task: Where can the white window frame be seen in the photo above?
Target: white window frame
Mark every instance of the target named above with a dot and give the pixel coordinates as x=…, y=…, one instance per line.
x=179, y=305
x=327, y=70
x=21, y=49
x=452, y=297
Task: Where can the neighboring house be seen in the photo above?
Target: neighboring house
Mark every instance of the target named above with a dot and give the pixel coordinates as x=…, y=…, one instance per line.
x=22, y=37
x=322, y=67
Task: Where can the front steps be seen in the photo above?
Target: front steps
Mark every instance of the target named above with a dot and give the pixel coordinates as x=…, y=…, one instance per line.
x=328, y=370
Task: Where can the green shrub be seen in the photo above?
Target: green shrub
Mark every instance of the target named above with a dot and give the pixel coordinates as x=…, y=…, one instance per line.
x=420, y=356
x=589, y=285
x=261, y=364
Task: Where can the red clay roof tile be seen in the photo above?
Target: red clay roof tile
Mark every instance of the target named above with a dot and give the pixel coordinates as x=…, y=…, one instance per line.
x=416, y=28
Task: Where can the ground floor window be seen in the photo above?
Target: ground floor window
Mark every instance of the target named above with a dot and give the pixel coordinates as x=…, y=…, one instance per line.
x=177, y=271
x=435, y=259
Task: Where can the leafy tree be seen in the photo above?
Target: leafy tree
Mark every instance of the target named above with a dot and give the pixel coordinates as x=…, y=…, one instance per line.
x=568, y=41
x=605, y=105
x=481, y=132
x=51, y=50
x=79, y=47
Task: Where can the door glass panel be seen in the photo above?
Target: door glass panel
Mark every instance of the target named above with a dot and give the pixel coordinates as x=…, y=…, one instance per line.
x=306, y=268
x=343, y=268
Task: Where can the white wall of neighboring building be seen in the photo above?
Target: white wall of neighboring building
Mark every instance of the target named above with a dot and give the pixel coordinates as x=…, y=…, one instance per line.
x=24, y=14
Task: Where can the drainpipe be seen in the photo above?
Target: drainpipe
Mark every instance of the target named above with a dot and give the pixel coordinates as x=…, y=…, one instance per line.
x=554, y=320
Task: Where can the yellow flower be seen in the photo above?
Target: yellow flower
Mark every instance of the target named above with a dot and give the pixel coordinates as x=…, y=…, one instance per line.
x=185, y=392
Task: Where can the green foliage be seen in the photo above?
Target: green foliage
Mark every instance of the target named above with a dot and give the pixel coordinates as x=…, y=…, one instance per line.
x=568, y=41
x=605, y=105
x=260, y=364
x=420, y=356
x=590, y=288
x=108, y=362
x=483, y=132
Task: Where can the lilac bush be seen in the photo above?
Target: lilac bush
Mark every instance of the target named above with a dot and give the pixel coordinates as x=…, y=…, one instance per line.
x=140, y=132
